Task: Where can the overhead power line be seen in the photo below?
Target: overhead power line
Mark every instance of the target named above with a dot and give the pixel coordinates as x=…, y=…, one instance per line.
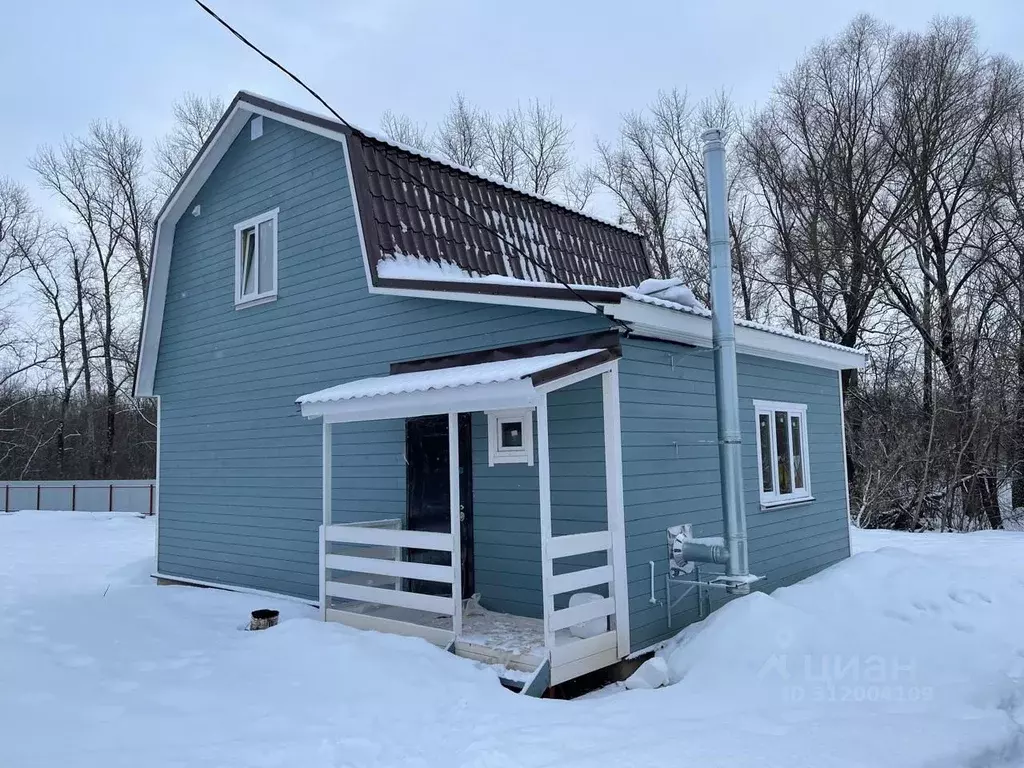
x=414, y=179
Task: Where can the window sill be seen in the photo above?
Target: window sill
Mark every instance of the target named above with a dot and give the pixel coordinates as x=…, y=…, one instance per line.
x=255, y=302
x=786, y=502
x=509, y=458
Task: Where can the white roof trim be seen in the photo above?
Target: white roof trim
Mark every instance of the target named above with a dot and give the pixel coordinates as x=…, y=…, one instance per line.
x=492, y=385
x=152, y=319
x=565, y=305
x=691, y=326
x=442, y=161
x=665, y=320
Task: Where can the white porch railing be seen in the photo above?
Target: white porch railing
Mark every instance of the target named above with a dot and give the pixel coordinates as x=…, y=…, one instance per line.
x=571, y=657
x=397, y=567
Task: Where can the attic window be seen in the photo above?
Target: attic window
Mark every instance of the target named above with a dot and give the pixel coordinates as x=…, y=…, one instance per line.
x=510, y=437
x=256, y=259
x=256, y=128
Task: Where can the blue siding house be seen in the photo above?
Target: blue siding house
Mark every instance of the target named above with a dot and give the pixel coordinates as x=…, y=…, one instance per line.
x=439, y=406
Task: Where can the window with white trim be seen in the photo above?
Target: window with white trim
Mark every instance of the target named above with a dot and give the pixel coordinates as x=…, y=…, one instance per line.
x=783, y=468
x=256, y=259
x=510, y=437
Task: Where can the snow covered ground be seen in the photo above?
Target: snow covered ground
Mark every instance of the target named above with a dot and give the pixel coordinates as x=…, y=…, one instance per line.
x=909, y=654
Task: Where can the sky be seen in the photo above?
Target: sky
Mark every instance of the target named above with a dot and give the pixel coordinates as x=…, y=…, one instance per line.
x=68, y=63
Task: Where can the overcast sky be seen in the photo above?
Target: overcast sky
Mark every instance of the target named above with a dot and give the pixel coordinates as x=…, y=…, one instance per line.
x=66, y=63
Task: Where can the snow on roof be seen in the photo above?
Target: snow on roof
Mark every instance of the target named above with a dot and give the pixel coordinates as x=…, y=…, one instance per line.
x=445, y=161
x=401, y=266
x=701, y=311
x=443, y=378
x=405, y=267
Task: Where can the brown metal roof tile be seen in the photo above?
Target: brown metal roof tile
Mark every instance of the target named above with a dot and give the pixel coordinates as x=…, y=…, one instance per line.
x=426, y=208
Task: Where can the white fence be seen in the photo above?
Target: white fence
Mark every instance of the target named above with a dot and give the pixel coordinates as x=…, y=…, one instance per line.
x=137, y=496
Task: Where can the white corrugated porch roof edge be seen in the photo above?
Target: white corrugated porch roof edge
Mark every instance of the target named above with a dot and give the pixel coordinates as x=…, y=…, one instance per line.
x=493, y=385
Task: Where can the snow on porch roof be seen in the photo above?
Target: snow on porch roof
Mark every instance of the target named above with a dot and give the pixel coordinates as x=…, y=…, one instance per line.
x=539, y=369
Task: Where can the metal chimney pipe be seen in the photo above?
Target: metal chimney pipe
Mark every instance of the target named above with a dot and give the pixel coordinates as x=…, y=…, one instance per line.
x=734, y=518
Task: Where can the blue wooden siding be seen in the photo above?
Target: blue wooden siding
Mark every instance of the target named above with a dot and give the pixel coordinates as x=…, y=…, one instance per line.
x=240, y=468
x=670, y=467
x=506, y=531
x=506, y=501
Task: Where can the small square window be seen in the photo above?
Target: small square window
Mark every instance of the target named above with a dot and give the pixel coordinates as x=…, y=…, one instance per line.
x=510, y=437
x=256, y=259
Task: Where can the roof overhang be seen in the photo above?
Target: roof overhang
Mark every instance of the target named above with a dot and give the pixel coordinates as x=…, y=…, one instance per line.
x=491, y=386
x=690, y=327
x=657, y=320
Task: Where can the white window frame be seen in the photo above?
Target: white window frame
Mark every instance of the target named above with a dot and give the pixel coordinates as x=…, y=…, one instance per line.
x=773, y=498
x=496, y=453
x=255, y=298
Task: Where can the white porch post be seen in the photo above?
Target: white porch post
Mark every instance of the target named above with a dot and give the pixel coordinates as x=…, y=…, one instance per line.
x=456, y=520
x=619, y=586
x=544, y=482
x=327, y=471
x=326, y=491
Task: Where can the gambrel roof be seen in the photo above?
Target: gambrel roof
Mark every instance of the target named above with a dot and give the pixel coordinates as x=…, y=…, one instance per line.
x=416, y=206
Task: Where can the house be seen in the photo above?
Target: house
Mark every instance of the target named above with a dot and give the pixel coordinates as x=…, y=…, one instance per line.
x=437, y=405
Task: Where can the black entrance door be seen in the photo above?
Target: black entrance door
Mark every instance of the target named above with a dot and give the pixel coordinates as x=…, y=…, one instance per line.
x=428, y=497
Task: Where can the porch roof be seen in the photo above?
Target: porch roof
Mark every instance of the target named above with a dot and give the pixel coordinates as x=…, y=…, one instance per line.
x=483, y=386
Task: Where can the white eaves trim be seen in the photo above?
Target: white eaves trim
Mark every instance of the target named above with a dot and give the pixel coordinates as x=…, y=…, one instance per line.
x=695, y=328
x=664, y=320
x=565, y=305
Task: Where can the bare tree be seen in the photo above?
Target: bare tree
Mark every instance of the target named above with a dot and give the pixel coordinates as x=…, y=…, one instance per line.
x=404, y=130
x=195, y=117
x=48, y=262
x=950, y=99
x=641, y=174
x=101, y=212
x=502, y=156
x=656, y=173
x=16, y=216
x=460, y=137
x=120, y=158
x=1008, y=172
x=579, y=187
x=826, y=177
x=543, y=140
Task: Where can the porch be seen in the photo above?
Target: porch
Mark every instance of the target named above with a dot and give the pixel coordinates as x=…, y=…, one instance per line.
x=500, y=478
